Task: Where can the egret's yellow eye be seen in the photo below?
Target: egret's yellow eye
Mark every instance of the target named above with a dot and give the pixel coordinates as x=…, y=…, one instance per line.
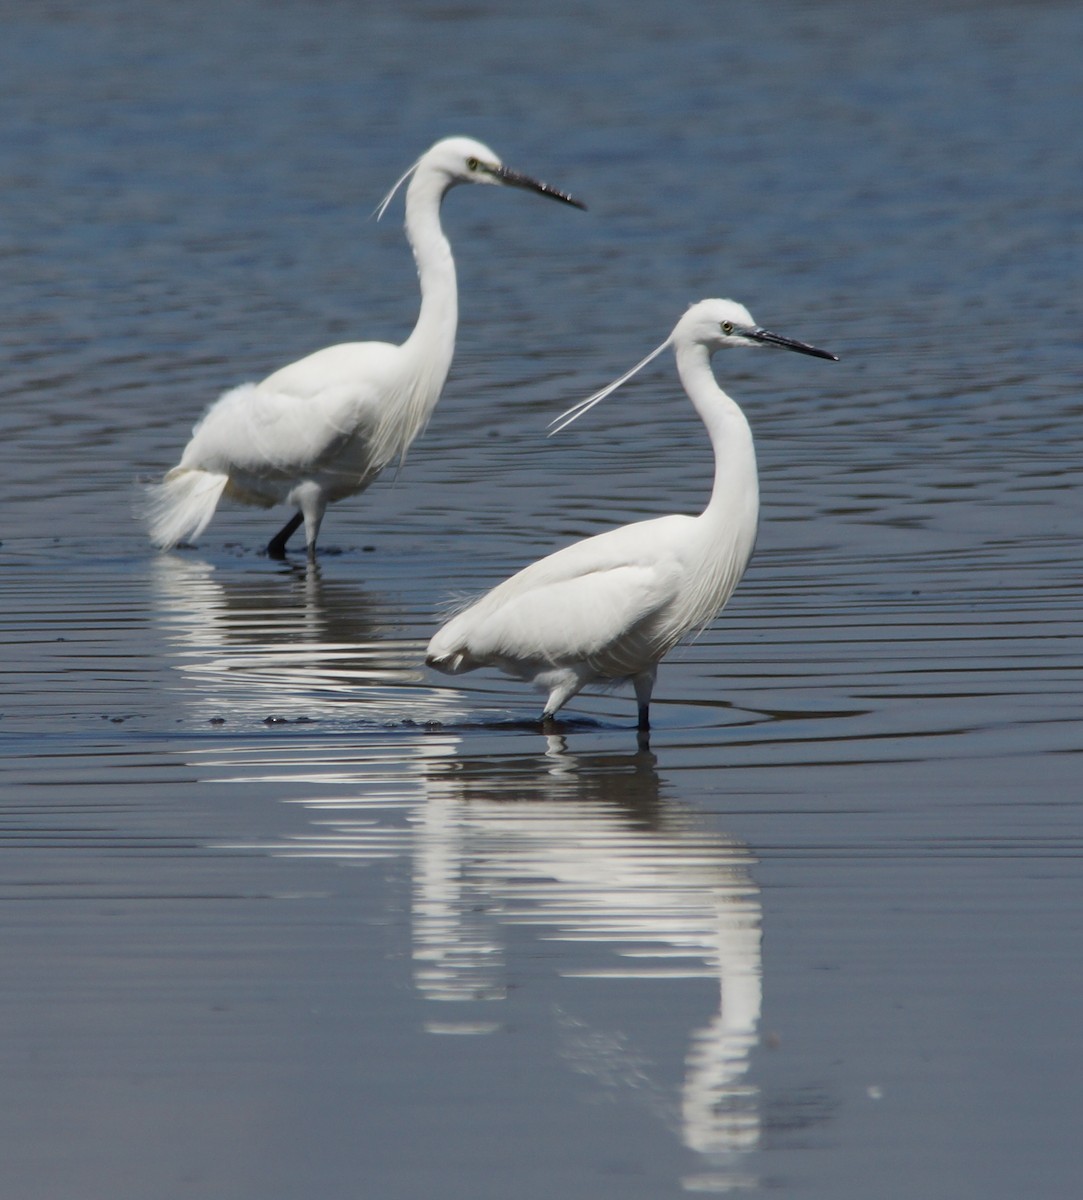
x=472, y=164
x=727, y=327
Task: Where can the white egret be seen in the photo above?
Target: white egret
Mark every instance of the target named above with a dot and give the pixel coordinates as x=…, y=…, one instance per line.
x=324, y=427
x=607, y=609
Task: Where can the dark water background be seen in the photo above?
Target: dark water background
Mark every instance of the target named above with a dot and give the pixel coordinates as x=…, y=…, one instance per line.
x=285, y=916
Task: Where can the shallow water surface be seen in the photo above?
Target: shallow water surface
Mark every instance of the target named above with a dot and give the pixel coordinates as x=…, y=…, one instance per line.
x=285, y=914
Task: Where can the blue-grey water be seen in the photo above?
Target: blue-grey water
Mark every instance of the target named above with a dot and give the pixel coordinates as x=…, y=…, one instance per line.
x=284, y=915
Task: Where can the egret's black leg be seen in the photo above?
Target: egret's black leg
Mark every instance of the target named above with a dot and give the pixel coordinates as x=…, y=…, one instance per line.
x=644, y=686
x=276, y=547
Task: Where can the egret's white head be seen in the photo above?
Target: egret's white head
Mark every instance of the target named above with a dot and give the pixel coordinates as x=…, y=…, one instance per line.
x=462, y=160
x=719, y=323
x=457, y=160
x=710, y=323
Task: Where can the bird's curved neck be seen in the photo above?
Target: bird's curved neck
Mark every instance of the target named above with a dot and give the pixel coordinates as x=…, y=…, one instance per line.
x=433, y=336
x=736, y=487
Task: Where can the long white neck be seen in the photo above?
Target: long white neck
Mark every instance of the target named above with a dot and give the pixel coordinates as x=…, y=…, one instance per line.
x=424, y=359
x=433, y=339
x=735, y=497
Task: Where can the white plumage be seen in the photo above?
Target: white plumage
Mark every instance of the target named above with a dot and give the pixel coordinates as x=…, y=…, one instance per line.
x=324, y=427
x=608, y=608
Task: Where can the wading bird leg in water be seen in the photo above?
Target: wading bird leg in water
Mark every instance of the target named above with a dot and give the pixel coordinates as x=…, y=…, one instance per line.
x=276, y=547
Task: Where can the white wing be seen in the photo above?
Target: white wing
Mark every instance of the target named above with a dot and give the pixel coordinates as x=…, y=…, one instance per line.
x=299, y=418
x=598, y=600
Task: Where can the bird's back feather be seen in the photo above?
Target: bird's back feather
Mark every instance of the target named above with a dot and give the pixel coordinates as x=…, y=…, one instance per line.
x=337, y=417
x=594, y=601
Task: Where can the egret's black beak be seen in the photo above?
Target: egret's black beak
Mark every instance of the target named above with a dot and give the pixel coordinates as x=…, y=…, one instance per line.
x=515, y=179
x=776, y=339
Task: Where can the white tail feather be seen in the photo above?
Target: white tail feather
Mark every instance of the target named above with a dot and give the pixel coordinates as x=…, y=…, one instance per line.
x=181, y=506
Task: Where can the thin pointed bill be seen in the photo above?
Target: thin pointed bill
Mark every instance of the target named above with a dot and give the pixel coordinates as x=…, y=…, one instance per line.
x=776, y=339
x=515, y=179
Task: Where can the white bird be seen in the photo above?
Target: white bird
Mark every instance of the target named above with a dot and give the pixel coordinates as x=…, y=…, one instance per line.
x=607, y=609
x=324, y=427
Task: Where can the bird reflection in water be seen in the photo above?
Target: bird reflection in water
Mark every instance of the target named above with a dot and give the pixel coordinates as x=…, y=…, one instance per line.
x=287, y=644
x=634, y=886
x=636, y=890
